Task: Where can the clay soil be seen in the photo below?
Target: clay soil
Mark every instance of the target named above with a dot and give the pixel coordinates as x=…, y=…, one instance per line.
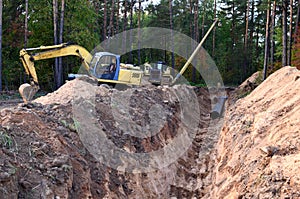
x=44, y=153
x=49, y=150
x=258, y=150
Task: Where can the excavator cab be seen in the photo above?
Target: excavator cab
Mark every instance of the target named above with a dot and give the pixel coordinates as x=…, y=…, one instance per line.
x=105, y=65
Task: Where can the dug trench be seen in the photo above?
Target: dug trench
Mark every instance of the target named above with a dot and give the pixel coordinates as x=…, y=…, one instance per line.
x=54, y=146
x=84, y=141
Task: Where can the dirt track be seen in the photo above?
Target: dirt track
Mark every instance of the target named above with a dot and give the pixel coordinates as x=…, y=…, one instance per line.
x=9, y=103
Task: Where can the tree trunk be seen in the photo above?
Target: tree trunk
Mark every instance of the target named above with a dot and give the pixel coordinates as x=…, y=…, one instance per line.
x=196, y=34
x=97, y=5
x=203, y=19
x=290, y=44
x=191, y=22
x=257, y=41
x=266, y=59
x=191, y=2
x=297, y=18
x=25, y=38
x=214, y=31
x=111, y=19
x=1, y=4
x=139, y=26
x=26, y=24
x=284, y=32
x=105, y=20
x=61, y=29
x=118, y=16
x=233, y=31
x=196, y=20
x=55, y=18
x=246, y=25
x=272, y=42
x=132, y=2
x=172, y=39
x=124, y=26
x=245, y=64
x=252, y=27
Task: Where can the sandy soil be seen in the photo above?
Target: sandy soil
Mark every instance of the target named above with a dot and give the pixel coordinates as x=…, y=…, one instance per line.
x=86, y=141
x=258, y=150
x=50, y=149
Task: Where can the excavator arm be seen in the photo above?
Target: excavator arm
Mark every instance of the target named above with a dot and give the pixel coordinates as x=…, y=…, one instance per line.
x=194, y=53
x=27, y=91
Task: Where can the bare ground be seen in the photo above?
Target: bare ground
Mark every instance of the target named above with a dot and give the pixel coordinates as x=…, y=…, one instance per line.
x=49, y=149
x=45, y=154
x=258, y=150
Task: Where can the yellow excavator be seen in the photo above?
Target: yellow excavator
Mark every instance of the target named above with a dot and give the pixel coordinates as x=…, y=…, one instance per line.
x=103, y=66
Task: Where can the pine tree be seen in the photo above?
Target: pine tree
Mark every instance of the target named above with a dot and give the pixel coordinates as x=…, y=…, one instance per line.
x=1, y=44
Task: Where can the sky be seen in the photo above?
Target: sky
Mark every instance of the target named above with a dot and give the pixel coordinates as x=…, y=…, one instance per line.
x=149, y=1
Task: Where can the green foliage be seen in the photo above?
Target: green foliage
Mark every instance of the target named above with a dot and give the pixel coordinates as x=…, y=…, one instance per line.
x=202, y=85
x=6, y=140
x=12, y=39
x=80, y=24
x=296, y=53
x=40, y=25
x=79, y=27
x=83, y=25
x=9, y=95
x=74, y=125
x=244, y=94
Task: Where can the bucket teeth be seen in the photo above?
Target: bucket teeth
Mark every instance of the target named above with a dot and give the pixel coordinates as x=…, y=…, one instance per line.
x=27, y=92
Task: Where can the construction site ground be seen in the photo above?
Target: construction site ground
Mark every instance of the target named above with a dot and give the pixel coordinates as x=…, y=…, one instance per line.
x=50, y=150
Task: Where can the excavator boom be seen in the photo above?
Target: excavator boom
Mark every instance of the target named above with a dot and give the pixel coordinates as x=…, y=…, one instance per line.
x=194, y=53
x=26, y=90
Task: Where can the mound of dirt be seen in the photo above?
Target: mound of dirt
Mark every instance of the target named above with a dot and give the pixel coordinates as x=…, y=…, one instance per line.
x=86, y=141
x=247, y=86
x=258, y=151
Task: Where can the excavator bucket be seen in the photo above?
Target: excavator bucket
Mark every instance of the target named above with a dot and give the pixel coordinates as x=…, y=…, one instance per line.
x=27, y=91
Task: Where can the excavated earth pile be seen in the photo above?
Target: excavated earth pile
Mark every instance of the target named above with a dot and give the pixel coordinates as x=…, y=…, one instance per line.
x=56, y=147
x=258, y=151
x=86, y=141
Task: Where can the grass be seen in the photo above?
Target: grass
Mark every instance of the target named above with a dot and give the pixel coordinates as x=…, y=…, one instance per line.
x=9, y=95
x=72, y=126
x=40, y=94
x=259, y=79
x=6, y=140
x=76, y=125
x=201, y=85
x=243, y=94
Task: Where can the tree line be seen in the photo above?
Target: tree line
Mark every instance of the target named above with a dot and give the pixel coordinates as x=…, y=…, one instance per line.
x=254, y=34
